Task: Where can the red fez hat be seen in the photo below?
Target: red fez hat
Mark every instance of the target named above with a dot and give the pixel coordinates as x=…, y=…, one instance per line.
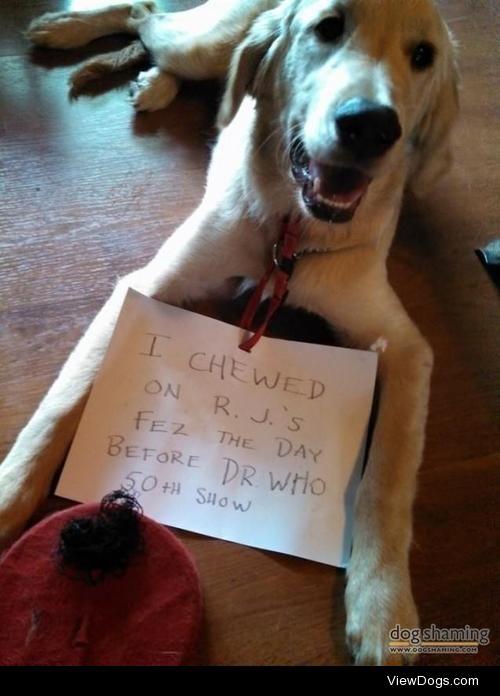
x=99, y=585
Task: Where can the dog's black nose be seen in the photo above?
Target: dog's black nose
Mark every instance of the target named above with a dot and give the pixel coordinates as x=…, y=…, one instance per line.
x=366, y=128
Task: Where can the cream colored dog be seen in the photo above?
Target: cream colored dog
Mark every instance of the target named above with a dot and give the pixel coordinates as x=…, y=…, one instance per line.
x=332, y=108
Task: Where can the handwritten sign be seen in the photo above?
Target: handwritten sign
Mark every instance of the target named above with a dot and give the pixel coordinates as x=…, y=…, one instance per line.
x=264, y=449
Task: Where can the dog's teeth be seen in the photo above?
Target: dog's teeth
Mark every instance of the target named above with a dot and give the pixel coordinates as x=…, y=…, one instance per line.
x=343, y=205
x=316, y=185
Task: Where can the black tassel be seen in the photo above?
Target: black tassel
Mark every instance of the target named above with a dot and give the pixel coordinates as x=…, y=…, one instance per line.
x=90, y=548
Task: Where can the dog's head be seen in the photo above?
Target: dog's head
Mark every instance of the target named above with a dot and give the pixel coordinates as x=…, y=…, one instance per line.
x=349, y=92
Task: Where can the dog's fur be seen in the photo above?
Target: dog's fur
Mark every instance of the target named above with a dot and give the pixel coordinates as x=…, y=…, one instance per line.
x=283, y=83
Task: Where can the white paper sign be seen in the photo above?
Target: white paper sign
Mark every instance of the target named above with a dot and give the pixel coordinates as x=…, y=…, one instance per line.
x=264, y=449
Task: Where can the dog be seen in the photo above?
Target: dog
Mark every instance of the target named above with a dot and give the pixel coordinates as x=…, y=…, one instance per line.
x=332, y=109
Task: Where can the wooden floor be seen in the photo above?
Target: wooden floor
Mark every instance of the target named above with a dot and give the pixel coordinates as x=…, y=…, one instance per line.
x=88, y=191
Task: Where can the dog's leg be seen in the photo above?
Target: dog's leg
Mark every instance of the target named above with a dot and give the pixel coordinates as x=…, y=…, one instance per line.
x=153, y=90
x=74, y=29
x=378, y=594
x=204, y=251
x=197, y=44
x=105, y=64
x=194, y=44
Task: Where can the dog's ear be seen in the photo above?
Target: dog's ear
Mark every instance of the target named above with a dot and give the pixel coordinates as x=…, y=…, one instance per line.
x=432, y=144
x=249, y=64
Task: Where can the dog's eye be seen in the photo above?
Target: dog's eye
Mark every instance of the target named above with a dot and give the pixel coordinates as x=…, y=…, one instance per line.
x=330, y=29
x=422, y=56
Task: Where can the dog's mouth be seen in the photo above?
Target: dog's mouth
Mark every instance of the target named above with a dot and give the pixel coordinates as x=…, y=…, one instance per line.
x=330, y=193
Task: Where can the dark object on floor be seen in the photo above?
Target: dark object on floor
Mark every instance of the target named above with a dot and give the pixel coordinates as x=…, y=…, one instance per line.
x=490, y=258
x=490, y=254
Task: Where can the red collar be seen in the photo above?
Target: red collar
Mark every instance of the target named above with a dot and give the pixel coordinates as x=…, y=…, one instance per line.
x=284, y=256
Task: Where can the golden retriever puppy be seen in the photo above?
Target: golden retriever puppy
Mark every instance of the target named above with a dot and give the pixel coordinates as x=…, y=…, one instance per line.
x=332, y=108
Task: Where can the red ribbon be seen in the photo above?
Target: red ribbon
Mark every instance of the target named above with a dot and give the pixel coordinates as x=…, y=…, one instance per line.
x=282, y=265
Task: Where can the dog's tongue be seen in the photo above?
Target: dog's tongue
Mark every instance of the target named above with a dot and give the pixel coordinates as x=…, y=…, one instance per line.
x=340, y=185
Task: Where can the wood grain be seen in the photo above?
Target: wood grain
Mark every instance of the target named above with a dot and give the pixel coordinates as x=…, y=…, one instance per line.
x=88, y=191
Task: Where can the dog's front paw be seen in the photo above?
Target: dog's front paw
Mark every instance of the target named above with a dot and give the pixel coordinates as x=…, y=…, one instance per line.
x=377, y=602
x=60, y=30
x=153, y=90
